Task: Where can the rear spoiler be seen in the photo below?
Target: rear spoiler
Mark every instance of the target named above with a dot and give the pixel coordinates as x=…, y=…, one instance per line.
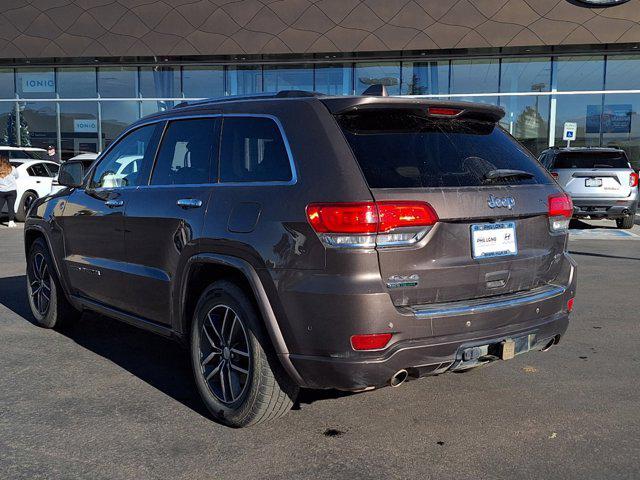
x=465, y=110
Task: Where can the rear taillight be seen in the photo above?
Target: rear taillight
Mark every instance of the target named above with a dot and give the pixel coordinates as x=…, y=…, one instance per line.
x=370, y=224
x=375, y=341
x=560, y=212
x=554, y=175
x=633, y=180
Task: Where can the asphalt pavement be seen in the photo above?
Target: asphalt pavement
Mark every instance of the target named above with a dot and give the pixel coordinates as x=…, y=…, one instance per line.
x=103, y=400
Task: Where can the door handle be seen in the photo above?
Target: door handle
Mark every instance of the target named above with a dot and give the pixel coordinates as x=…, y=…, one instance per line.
x=114, y=203
x=189, y=203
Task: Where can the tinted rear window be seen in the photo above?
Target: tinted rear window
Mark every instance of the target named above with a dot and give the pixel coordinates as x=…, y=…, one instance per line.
x=591, y=160
x=406, y=149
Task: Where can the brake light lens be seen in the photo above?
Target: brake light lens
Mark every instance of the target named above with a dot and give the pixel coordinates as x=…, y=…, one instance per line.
x=554, y=175
x=343, y=217
x=560, y=212
x=444, y=111
x=375, y=341
x=633, y=180
x=569, y=305
x=370, y=224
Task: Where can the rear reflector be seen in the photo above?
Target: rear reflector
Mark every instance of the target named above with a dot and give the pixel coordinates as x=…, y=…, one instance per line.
x=375, y=341
x=444, y=111
x=369, y=217
x=570, y=305
x=633, y=180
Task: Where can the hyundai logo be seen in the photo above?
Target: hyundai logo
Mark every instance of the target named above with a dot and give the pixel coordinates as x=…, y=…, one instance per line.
x=501, y=202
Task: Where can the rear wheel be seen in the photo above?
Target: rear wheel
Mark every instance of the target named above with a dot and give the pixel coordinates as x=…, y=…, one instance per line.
x=238, y=378
x=25, y=204
x=48, y=303
x=625, y=222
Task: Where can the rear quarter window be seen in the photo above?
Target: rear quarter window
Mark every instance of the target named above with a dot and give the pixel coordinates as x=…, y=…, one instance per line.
x=407, y=149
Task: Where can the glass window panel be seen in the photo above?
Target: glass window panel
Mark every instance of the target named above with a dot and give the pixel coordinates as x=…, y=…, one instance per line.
x=36, y=82
x=525, y=75
x=623, y=72
x=116, y=116
x=493, y=100
x=77, y=82
x=187, y=153
x=203, y=82
x=583, y=110
x=78, y=128
x=424, y=78
x=288, y=77
x=155, y=106
x=334, y=79
x=244, y=80
x=253, y=151
x=621, y=124
x=160, y=82
x=387, y=74
x=128, y=163
x=579, y=73
x=475, y=76
x=8, y=125
x=527, y=119
x=39, y=126
x=7, y=89
x=118, y=82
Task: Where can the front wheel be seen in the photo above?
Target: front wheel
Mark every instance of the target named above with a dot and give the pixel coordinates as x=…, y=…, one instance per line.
x=237, y=377
x=626, y=222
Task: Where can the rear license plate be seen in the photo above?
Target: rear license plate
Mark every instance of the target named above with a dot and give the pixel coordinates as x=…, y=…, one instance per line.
x=593, y=182
x=493, y=240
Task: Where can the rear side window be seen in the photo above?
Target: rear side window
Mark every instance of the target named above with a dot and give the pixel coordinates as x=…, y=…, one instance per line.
x=407, y=149
x=53, y=169
x=253, y=150
x=187, y=152
x=38, y=170
x=591, y=160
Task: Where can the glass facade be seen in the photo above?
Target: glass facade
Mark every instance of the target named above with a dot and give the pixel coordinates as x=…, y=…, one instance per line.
x=83, y=108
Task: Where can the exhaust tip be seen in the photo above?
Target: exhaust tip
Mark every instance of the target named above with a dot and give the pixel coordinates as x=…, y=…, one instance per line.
x=398, y=378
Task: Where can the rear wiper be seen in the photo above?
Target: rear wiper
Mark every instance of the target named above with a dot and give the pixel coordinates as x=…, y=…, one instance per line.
x=507, y=173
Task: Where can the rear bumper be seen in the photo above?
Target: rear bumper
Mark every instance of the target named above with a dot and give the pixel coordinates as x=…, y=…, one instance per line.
x=605, y=208
x=419, y=358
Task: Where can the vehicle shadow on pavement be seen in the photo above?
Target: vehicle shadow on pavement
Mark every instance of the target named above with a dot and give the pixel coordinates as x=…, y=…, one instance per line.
x=160, y=362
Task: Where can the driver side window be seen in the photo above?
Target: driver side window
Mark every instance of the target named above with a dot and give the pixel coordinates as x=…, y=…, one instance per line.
x=129, y=161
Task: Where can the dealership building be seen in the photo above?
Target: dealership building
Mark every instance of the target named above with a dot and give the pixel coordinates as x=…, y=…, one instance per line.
x=75, y=73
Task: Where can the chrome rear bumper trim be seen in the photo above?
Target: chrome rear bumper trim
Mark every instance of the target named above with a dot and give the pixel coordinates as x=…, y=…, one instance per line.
x=481, y=305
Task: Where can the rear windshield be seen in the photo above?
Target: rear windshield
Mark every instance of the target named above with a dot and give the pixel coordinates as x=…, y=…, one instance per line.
x=591, y=160
x=406, y=149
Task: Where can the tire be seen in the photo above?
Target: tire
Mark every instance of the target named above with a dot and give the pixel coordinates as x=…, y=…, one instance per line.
x=25, y=203
x=626, y=222
x=237, y=376
x=48, y=303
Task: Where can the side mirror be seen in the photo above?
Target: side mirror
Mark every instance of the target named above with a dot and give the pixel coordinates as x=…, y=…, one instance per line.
x=71, y=174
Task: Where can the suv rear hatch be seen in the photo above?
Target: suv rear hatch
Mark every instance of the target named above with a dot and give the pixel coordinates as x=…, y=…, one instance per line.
x=479, y=181
x=589, y=174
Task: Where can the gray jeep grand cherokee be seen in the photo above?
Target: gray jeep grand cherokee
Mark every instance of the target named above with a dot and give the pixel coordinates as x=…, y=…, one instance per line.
x=299, y=240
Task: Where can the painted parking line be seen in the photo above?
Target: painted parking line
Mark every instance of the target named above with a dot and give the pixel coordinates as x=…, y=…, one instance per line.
x=602, y=234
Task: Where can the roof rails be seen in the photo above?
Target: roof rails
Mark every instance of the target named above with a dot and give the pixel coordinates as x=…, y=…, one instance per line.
x=252, y=96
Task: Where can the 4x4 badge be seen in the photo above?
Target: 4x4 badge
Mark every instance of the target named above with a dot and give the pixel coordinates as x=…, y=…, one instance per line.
x=499, y=202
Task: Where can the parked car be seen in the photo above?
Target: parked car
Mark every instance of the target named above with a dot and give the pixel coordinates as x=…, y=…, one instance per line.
x=601, y=182
x=299, y=240
x=36, y=179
